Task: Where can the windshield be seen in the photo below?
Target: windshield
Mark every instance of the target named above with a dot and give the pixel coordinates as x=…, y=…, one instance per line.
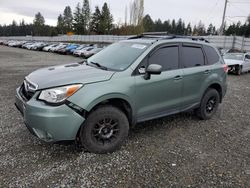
x=119, y=56
x=234, y=56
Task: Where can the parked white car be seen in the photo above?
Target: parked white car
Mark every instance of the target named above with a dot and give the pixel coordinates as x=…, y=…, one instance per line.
x=27, y=44
x=92, y=52
x=59, y=46
x=82, y=51
x=237, y=62
x=13, y=43
x=47, y=48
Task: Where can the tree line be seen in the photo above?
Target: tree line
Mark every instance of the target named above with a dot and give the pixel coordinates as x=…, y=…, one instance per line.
x=82, y=21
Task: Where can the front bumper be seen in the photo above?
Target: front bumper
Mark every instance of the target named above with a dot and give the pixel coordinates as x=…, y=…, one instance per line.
x=49, y=123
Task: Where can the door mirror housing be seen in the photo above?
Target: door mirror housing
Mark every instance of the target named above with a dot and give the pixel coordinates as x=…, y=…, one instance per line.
x=152, y=69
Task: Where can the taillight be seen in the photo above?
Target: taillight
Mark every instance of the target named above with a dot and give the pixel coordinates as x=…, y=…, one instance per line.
x=225, y=67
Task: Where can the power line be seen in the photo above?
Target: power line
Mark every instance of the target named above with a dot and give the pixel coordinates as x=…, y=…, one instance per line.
x=247, y=2
x=235, y=6
x=230, y=20
x=237, y=16
x=212, y=9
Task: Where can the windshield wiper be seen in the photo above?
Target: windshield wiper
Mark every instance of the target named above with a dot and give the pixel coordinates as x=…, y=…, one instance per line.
x=99, y=65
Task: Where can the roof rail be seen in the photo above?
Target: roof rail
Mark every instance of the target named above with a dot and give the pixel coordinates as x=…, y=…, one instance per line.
x=156, y=33
x=162, y=36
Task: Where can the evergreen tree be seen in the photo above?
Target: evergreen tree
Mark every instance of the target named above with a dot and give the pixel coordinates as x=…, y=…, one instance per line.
x=148, y=23
x=39, y=19
x=201, y=30
x=211, y=29
x=195, y=32
x=60, y=24
x=189, y=29
x=106, y=20
x=22, y=29
x=14, y=28
x=238, y=27
x=86, y=16
x=247, y=34
x=173, y=27
x=67, y=19
x=167, y=26
x=179, y=27
x=183, y=29
x=78, y=21
x=38, y=23
x=158, y=26
x=96, y=21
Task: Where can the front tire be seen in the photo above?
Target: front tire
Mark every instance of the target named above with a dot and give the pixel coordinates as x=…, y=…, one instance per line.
x=105, y=129
x=209, y=104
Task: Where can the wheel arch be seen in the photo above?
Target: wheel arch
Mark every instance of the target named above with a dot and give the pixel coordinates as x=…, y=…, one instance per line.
x=218, y=88
x=119, y=101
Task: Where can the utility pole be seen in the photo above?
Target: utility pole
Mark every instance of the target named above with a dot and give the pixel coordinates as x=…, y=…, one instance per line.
x=223, y=18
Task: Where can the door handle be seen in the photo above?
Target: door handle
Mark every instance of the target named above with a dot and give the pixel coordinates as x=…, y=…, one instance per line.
x=178, y=77
x=207, y=72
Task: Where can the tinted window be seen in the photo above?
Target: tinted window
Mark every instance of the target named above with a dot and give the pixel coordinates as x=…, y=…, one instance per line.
x=167, y=57
x=248, y=57
x=192, y=56
x=212, y=56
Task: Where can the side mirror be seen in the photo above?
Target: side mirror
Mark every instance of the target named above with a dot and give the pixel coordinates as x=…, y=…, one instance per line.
x=152, y=69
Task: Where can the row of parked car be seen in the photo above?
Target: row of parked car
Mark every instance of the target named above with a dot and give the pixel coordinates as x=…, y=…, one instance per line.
x=80, y=50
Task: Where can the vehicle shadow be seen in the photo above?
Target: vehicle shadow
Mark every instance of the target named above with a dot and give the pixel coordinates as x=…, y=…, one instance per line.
x=160, y=124
x=166, y=123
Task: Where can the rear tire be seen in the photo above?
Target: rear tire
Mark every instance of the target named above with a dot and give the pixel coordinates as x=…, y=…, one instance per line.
x=239, y=70
x=104, y=131
x=209, y=104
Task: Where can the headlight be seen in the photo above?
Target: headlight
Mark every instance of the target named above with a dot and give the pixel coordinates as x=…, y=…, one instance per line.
x=59, y=94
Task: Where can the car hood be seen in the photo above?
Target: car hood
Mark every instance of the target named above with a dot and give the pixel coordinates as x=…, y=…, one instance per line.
x=67, y=74
x=233, y=62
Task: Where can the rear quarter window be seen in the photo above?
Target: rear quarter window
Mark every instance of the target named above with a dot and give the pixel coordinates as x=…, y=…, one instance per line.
x=211, y=54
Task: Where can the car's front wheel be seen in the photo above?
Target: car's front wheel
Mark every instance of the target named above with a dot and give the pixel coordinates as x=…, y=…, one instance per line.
x=209, y=104
x=105, y=130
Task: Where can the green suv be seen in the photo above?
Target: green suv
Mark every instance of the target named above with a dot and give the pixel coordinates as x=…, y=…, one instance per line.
x=95, y=102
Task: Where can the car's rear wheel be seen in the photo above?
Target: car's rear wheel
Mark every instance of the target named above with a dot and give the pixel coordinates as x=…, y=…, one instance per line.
x=209, y=104
x=105, y=130
x=239, y=70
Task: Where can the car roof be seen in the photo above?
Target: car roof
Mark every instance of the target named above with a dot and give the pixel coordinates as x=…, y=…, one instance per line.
x=145, y=41
x=151, y=39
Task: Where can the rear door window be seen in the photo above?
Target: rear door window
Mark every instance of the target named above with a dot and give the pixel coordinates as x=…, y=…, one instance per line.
x=211, y=54
x=192, y=56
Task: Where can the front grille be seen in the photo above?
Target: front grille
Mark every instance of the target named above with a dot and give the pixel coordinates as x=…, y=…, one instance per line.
x=26, y=95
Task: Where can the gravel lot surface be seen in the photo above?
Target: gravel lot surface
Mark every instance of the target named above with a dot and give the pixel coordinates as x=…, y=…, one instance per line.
x=177, y=151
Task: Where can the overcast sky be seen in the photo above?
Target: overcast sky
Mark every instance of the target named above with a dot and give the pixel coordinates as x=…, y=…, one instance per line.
x=208, y=11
